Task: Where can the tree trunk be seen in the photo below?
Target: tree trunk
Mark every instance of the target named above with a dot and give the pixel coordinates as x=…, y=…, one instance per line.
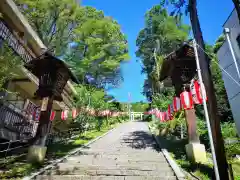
x=237, y=7
x=212, y=103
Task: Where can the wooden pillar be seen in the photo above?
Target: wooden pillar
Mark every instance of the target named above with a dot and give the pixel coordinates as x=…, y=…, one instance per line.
x=191, y=121
x=37, y=152
x=195, y=151
x=44, y=122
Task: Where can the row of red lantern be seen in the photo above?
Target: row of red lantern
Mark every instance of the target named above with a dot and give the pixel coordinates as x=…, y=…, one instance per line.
x=186, y=101
x=74, y=112
x=92, y=112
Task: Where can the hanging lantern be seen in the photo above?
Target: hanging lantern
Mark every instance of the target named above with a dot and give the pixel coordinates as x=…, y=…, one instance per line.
x=176, y=104
x=52, y=116
x=161, y=116
x=170, y=112
x=64, y=115
x=166, y=116
x=158, y=114
x=74, y=113
x=196, y=92
x=155, y=111
x=186, y=100
x=170, y=109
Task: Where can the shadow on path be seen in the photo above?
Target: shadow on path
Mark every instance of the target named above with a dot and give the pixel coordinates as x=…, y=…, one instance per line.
x=140, y=140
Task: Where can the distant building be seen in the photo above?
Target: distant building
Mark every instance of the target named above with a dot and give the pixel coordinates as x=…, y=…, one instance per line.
x=226, y=62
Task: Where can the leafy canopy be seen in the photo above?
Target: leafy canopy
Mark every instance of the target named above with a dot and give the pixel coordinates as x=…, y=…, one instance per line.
x=161, y=35
x=90, y=42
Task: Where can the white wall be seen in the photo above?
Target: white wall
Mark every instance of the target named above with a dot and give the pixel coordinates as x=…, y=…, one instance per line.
x=227, y=63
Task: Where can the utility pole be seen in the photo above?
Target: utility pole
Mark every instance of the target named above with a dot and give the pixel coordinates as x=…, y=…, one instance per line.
x=212, y=101
x=206, y=112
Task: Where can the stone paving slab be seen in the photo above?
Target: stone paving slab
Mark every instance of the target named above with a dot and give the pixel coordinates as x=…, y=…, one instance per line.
x=121, y=172
x=127, y=153
x=82, y=177
x=67, y=167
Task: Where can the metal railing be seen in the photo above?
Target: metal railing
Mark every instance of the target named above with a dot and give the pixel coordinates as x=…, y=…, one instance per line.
x=15, y=121
x=21, y=145
x=9, y=145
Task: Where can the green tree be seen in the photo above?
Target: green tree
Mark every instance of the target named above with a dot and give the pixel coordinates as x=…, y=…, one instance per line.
x=163, y=99
x=90, y=42
x=139, y=106
x=190, y=7
x=161, y=35
x=9, y=62
x=106, y=49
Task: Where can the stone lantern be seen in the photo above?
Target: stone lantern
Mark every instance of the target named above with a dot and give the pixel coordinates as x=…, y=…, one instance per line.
x=53, y=75
x=179, y=68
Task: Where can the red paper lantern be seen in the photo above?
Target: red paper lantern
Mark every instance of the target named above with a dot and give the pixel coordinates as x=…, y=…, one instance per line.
x=186, y=100
x=158, y=114
x=52, y=116
x=166, y=116
x=170, y=110
x=162, y=116
x=74, y=113
x=64, y=115
x=196, y=92
x=176, y=104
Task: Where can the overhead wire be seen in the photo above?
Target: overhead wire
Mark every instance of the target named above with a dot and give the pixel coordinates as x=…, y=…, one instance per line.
x=216, y=62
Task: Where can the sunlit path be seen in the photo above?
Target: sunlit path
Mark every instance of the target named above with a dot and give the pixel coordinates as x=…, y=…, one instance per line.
x=128, y=152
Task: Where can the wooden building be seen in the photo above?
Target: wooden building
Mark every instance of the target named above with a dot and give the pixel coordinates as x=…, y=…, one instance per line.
x=18, y=103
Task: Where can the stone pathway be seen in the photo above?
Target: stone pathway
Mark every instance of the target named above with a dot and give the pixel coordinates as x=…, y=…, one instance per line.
x=127, y=153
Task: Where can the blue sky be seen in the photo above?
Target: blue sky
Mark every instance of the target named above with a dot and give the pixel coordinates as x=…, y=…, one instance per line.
x=130, y=15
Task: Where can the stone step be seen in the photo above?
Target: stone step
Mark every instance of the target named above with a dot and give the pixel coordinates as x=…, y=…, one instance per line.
x=83, y=177
x=135, y=153
x=120, y=156
x=117, y=172
x=121, y=152
x=121, y=149
x=70, y=167
x=112, y=162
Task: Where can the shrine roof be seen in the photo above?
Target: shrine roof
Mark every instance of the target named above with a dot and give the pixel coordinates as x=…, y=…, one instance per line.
x=175, y=62
x=52, y=62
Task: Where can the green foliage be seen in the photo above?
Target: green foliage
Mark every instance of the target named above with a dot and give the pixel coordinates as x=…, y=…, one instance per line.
x=90, y=42
x=218, y=43
x=9, y=62
x=161, y=101
x=161, y=35
x=94, y=98
x=53, y=20
x=229, y=130
x=139, y=107
x=223, y=106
